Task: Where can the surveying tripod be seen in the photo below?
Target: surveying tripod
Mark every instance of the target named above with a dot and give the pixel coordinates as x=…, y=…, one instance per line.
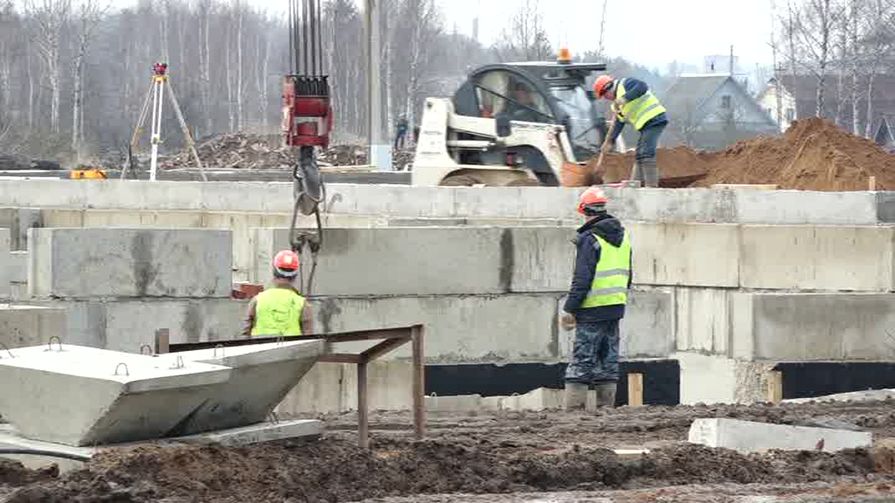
x=155, y=99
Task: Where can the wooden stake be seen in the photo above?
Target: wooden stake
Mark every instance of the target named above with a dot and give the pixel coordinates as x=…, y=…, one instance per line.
x=775, y=386
x=871, y=184
x=635, y=390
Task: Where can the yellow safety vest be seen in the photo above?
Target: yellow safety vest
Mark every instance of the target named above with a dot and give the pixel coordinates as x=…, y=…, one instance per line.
x=639, y=111
x=610, y=284
x=278, y=312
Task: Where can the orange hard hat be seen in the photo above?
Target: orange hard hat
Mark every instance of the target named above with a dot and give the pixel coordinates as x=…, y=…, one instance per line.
x=603, y=84
x=591, y=197
x=285, y=264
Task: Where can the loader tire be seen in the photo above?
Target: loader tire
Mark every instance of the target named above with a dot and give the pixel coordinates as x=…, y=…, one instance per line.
x=462, y=180
x=523, y=182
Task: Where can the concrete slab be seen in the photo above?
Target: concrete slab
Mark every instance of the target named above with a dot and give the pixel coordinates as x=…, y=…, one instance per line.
x=870, y=395
x=712, y=379
x=843, y=258
x=262, y=375
x=83, y=396
x=91, y=263
x=257, y=433
x=811, y=327
x=22, y=325
x=748, y=436
x=686, y=254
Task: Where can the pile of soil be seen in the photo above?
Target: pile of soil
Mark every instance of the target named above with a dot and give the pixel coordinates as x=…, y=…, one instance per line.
x=813, y=154
x=680, y=166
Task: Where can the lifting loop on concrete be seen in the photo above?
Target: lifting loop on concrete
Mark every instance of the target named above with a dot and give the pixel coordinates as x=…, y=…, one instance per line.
x=50, y=343
x=126, y=370
x=273, y=418
x=146, y=346
x=4, y=346
x=178, y=363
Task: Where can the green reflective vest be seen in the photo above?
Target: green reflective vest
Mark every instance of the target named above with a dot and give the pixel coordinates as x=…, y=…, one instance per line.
x=278, y=312
x=610, y=284
x=638, y=112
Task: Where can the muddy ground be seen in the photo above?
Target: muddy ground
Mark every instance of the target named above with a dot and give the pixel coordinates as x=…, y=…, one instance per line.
x=548, y=456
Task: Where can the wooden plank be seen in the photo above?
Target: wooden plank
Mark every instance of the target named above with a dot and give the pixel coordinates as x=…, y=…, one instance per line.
x=635, y=390
x=340, y=358
x=775, y=386
x=162, y=341
x=363, y=425
x=871, y=184
x=383, y=348
x=419, y=383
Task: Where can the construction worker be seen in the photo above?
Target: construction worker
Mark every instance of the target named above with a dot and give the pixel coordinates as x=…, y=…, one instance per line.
x=280, y=310
x=633, y=103
x=596, y=303
x=401, y=133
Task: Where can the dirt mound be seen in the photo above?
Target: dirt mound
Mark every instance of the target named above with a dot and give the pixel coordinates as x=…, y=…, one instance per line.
x=813, y=154
x=333, y=470
x=680, y=166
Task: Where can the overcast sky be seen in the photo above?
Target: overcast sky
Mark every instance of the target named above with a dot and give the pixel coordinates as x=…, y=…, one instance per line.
x=649, y=32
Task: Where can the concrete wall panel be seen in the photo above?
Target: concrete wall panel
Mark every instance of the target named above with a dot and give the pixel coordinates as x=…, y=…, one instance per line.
x=685, y=254
x=851, y=258
x=90, y=263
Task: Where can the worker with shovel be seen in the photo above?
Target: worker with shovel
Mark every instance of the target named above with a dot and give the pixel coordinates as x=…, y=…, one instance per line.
x=596, y=303
x=633, y=103
x=280, y=310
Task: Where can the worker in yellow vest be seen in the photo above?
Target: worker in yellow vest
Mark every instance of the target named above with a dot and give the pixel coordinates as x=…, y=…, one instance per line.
x=596, y=303
x=633, y=103
x=280, y=310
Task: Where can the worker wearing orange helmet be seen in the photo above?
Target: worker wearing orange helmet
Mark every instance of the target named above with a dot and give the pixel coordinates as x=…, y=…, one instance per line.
x=596, y=303
x=280, y=310
x=633, y=103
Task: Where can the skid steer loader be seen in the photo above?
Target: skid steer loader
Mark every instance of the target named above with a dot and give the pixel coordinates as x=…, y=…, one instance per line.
x=511, y=124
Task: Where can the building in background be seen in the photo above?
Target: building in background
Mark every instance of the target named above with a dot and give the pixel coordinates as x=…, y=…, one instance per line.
x=712, y=111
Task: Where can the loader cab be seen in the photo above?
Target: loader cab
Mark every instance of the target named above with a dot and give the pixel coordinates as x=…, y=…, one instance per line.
x=546, y=92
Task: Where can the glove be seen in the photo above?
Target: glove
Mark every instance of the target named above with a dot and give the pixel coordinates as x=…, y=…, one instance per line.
x=567, y=321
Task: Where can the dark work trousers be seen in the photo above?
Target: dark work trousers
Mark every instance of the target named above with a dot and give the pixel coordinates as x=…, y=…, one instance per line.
x=595, y=353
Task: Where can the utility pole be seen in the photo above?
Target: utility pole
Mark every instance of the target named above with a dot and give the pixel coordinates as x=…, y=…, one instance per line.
x=380, y=147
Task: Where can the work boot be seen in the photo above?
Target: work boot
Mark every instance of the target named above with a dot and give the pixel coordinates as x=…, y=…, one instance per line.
x=575, y=396
x=650, y=172
x=606, y=394
x=636, y=173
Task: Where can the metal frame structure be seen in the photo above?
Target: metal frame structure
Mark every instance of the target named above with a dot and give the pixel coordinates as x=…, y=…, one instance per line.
x=391, y=339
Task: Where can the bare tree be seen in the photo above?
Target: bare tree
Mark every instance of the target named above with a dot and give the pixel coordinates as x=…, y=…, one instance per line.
x=815, y=25
x=880, y=42
x=89, y=15
x=51, y=17
x=525, y=38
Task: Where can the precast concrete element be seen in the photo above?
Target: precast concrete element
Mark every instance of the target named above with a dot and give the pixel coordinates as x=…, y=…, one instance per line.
x=84, y=396
x=845, y=258
x=702, y=320
x=262, y=376
x=812, y=327
x=23, y=325
x=432, y=260
x=778, y=207
x=18, y=221
x=685, y=254
x=127, y=325
x=258, y=433
x=747, y=436
x=718, y=379
x=5, y=264
x=91, y=263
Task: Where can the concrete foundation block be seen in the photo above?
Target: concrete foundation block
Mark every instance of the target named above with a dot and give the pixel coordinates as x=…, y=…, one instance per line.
x=458, y=328
x=91, y=263
x=318, y=392
x=703, y=320
x=23, y=326
x=262, y=376
x=686, y=254
x=258, y=433
x=810, y=327
x=717, y=379
x=668, y=206
x=747, y=436
x=459, y=403
x=18, y=221
x=542, y=258
x=798, y=207
x=5, y=264
x=540, y=399
x=127, y=325
x=84, y=396
x=18, y=267
x=846, y=258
